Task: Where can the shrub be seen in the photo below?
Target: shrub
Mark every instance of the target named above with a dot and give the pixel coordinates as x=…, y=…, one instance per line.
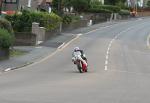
x=148, y=3
x=67, y=19
x=80, y=5
x=122, y=5
x=51, y=21
x=124, y=12
x=23, y=22
x=105, y=8
x=99, y=10
x=95, y=3
x=6, y=39
x=4, y=24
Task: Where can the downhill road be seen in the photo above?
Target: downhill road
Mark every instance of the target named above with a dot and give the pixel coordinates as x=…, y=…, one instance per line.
x=119, y=70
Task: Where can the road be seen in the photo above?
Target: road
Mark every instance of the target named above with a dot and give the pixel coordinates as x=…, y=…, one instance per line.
x=119, y=70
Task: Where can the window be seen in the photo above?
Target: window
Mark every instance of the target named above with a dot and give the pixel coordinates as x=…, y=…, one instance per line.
x=10, y=1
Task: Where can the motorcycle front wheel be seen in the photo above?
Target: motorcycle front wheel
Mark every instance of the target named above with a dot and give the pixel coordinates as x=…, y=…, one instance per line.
x=79, y=68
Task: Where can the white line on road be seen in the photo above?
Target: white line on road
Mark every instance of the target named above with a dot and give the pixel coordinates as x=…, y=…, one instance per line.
x=61, y=45
x=8, y=69
x=110, y=44
x=148, y=41
x=106, y=67
x=107, y=57
x=58, y=49
x=106, y=62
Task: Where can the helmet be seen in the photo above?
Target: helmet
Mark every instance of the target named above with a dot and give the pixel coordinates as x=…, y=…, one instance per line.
x=76, y=48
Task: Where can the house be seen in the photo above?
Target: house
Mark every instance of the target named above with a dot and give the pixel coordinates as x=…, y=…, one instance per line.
x=8, y=5
x=14, y=5
x=34, y=4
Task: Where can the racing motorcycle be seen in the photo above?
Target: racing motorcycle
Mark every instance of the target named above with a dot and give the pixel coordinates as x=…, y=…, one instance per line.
x=81, y=64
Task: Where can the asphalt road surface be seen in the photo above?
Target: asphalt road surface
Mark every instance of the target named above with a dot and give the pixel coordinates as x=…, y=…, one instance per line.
x=119, y=70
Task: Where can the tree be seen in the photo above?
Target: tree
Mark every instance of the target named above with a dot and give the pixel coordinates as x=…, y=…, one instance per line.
x=148, y=3
x=95, y=3
x=57, y=6
x=114, y=2
x=80, y=5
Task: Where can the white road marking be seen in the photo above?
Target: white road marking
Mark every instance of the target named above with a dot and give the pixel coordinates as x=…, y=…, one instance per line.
x=8, y=69
x=107, y=57
x=58, y=49
x=106, y=62
x=107, y=53
x=106, y=67
x=99, y=29
x=148, y=41
x=78, y=35
x=61, y=45
x=110, y=44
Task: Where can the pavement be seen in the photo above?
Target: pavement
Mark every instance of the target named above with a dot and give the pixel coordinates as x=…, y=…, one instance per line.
x=36, y=53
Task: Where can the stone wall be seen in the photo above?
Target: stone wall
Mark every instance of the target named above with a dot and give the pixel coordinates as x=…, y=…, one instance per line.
x=49, y=34
x=144, y=13
x=74, y=25
x=97, y=17
x=4, y=53
x=25, y=39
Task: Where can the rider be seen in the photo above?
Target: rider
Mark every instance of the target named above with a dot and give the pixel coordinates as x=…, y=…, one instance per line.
x=78, y=50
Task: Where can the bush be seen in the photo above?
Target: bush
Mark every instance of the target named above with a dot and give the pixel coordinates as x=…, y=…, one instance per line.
x=6, y=39
x=99, y=10
x=95, y=3
x=105, y=8
x=4, y=24
x=67, y=19
x=23, y=22
x=148, y=3
x=80, y=5
x=124, y=12
x=122, y=5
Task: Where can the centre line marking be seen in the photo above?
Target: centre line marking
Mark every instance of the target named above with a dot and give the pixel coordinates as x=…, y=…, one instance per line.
x=110, y=44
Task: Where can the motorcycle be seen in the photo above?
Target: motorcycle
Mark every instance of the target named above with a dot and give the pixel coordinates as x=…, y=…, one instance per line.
x=81, y=64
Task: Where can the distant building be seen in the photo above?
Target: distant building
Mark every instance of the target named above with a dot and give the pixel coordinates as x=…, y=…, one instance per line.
x=35, y=4
x=140, y=3
x=8, y=5
x=14, y=5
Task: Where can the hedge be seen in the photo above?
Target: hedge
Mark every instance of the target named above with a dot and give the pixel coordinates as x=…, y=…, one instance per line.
x=23, y=22
x=6, y=39
x=4, y=24
x=99, y=10
x=124, y=12
x=104, y=8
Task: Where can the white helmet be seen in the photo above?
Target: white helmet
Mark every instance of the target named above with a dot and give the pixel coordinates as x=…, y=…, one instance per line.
x=76, y=48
